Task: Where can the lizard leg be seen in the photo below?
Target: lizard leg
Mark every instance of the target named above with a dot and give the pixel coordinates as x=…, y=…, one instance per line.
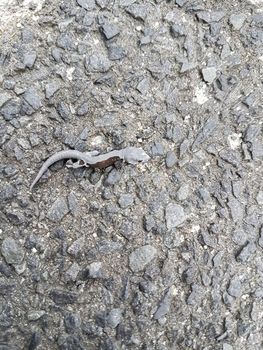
x=76, y=165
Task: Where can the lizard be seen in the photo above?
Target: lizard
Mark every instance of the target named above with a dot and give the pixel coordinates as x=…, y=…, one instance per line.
x=131, y=155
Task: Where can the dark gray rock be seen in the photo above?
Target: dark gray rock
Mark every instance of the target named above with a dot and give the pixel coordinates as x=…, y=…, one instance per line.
x=171, y=159
x=235, y=287
x=32, y=98
x=259, y=197
x=56, y=54
x=7, y=192
x=246, y=252
x=51, y=89
x=157, y=149
x=83, y=109
x=109, y=30
x=4, y=97
x=212, y=16
x=141, y=257
x=12, y=251
x=138, y=11
x=29, y=59
x=206, y=131
x=35, y=341
x=63, y=110
x=73, y=203
x=143, y=86
x=11, y=109
x=126, y=200
x=95, y=270
x=174, y=215
x=178, y=30
x=72, y=272
x=77, y=246
x=114, y=317
x=209, y=74
x=196, y=296
x=148, y=222
x=58, y=210
x=88, y=5
x=15, y=217
x=67, y=41
x=164, y=305
x=236, y=209
x=72, y=322
x=97, y=63
x=239, y=236
x=116, y=52
x=237, y=20
x=61, y=297
x=113, y=177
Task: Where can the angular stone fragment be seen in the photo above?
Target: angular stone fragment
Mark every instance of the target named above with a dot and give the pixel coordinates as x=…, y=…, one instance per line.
x=97, y=63
x=61, y=297
x=51, y=89
x=171, y=159
x=237, y=20
x=87, y=4
x=141, y=257
x=29, y=59
x=12, y=251
x=110, y=30
x=174, y=215
x=209, y=74
x=32, y=98
x=58, y=210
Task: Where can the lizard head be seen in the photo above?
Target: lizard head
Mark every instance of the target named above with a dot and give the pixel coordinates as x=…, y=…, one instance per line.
x=134, y=155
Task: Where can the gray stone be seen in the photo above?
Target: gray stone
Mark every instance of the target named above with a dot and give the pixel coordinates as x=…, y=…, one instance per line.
x=88, y=20
x=171, y=159
x=4, y=97
x=7, y=192
x=174, y=215
x=110, y=30
x=143, y=86
x=126, y=200
x=237, y=20
x=157, y=149
x=97, y=63
x=211, y=16
x=15, y=217
x=83, y=109
x=56, y=54
x=138, y=11
x=183, y=192
x=95, y=270
x=11, y=109
x=114, y=317
x=239, y=236
x=77, y=246
x=58, y=210
x=196, y=296
x=84, y=134
x=72, y=272
x=178, y=30
x=72, y=323
x=102, y=3
x=227, y=347
x=260, y=241
x=32, y=98
x=113, y=177
x=206, y=131
x=12, y=251
x=236, y=209
x=67, y=41
x=87, y=4
x=63, y=110
x=235, y=287
x=73, y=203
x=187, y=66
x=246, y=252
x=141, y=257
x=35, y=315
x=51, y=89
x=209, y=74
x=116, y=52
x=61, y=297
x=29, y=59
x=164, y=305
x=148, y=223
x=259, y=197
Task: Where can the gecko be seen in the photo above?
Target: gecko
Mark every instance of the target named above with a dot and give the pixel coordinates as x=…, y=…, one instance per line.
x=131, y=155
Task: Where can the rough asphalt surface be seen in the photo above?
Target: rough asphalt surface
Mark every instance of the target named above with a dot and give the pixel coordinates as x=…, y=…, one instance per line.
x=164, y=255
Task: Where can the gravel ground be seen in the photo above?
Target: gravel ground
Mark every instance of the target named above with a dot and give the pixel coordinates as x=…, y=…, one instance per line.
x=163, y=255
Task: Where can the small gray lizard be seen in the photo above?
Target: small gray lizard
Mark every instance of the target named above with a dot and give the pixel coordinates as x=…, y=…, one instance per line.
x=132, y=155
